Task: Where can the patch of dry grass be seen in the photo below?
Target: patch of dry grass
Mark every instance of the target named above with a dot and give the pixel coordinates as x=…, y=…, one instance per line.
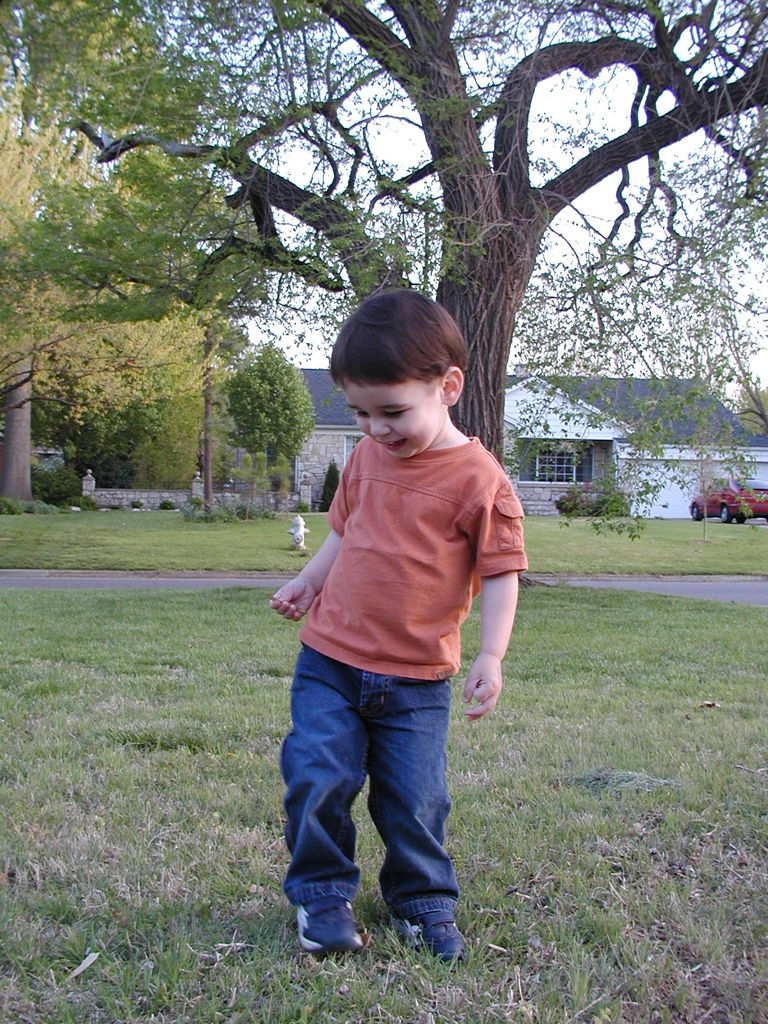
x=139, y=739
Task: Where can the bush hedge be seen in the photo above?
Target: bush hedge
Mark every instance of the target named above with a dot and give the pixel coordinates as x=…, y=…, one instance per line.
x=601, y=498
x=55, y=486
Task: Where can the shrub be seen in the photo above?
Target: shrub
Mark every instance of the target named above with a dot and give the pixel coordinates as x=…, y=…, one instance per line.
x=225, y=512
x=615, y=504
x=576, y=501
x=42, y=508
x=85, y=502
x=220, y=513
x=55, y=486
x=330, y=484
x=166, y=505
x=82, y=501
x=195, y=513
x=247, y=510
x=11, y=507
x=602, y=498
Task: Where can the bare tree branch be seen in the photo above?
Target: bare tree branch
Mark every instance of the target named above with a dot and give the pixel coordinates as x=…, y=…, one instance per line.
x=111, y=149
x=373, y=35
x=707, y=107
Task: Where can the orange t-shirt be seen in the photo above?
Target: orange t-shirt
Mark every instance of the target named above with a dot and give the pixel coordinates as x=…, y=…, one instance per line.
x=416, y=535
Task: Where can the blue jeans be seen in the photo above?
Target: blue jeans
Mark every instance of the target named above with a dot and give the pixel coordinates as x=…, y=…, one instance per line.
x=348, y=723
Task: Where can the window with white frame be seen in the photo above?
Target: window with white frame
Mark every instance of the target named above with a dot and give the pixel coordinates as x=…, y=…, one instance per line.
x=561, y=463
x=350, y=440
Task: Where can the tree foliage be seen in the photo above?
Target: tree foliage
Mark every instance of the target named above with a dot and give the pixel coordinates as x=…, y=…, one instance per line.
x=77, y=372
x=349, y=145
x=330, y=485
x=269, y=404
x=136, y=428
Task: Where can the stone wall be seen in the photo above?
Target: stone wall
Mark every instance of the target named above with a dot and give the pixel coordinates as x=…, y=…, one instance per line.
x=124, y=497
x=538, y=499
x=127, y=498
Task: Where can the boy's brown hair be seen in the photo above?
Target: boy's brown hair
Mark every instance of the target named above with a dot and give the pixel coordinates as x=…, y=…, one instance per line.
x=397, y=336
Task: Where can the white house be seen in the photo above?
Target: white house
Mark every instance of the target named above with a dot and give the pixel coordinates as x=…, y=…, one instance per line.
x=659, y=437
x=574, y=431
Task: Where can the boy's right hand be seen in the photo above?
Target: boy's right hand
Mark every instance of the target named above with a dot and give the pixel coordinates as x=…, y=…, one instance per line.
x=294, y=599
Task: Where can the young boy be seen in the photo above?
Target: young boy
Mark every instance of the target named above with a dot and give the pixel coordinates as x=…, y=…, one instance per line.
x=422, y=511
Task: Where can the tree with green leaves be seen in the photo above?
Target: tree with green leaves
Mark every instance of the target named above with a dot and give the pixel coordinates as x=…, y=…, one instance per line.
x=143, y=432
x=98, y=363
x=506, y=116
x=59, y=358
x=330, y=485
x=269, y=404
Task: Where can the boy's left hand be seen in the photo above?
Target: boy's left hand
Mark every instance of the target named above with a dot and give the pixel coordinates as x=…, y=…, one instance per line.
x=483, y=686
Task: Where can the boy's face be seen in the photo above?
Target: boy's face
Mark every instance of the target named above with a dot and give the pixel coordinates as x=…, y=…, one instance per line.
x=408, y=417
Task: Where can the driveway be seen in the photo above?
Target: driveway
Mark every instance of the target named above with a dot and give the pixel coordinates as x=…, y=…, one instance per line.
x=748, y=590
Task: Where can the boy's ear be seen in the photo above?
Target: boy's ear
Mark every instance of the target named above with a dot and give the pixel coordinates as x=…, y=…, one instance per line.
x=453, y=385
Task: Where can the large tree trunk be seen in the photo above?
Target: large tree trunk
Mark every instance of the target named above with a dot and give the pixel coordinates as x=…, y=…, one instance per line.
x=492, y=236
x=484, y=301
x=487, y=327
x=15, y=475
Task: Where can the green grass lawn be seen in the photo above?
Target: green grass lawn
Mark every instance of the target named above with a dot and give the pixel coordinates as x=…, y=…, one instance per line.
x=164, y=541
x=610, y=821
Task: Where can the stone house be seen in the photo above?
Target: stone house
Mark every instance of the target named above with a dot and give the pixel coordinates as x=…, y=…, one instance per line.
x=332, y=440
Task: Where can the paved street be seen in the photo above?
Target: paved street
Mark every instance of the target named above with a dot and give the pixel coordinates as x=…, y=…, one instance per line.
x=747, y=590
x=750, y=590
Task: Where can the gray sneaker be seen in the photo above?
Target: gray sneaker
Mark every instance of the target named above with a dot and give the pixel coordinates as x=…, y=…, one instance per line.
x=327, y=926
x=436, y=931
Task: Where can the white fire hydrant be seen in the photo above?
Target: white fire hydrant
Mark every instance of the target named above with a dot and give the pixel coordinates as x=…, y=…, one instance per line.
x=298, y=531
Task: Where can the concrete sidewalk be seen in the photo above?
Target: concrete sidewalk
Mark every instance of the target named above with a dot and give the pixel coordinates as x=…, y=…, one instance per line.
x=749, y=590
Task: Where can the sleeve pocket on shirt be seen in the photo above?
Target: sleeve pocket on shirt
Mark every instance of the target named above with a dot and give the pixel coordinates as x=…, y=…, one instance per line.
x=509, y=515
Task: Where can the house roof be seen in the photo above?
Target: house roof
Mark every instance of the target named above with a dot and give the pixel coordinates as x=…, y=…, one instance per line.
x=633, y=401
x=331, y=409
x=679, y=409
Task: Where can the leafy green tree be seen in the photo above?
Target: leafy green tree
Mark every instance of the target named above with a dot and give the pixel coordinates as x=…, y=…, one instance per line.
x=167, y=453
x=55, y=486
x=101, y=409
x=100, y=439
x=269, y=404
x=72, y=373
x=493, y=160
x=57, y=246
x=34, y=332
